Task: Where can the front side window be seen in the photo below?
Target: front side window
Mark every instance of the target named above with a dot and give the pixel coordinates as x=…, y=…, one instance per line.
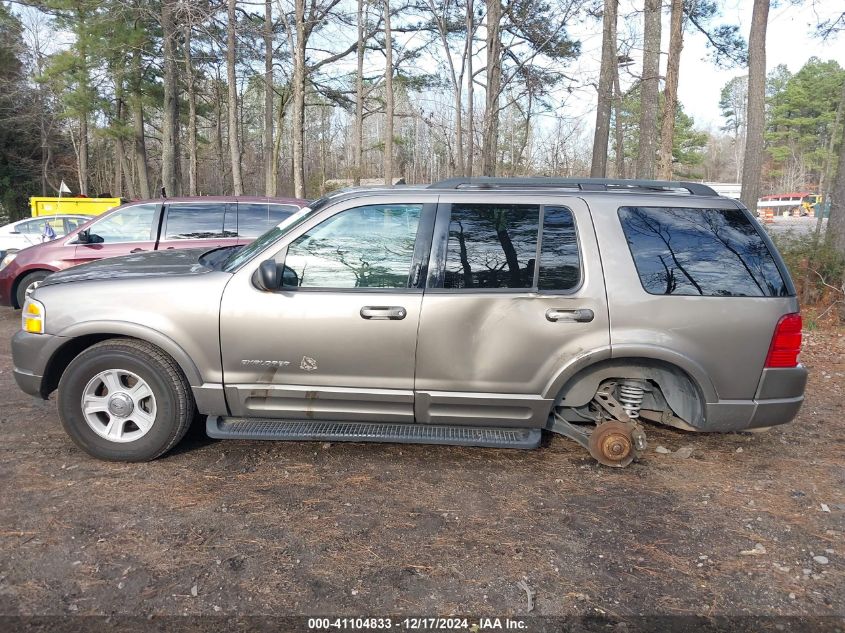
x=706, y=252
x=132, y=224
x=492, y=246
x=32, y=227
x=365, y=247
x=74, y=223
x=195, y=221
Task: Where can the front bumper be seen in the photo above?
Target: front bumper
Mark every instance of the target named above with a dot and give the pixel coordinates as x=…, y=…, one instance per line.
x=6, y=283
x=31, y=354
x=780, y=394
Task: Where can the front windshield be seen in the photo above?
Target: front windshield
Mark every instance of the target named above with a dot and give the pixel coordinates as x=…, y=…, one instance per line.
x=242, y=255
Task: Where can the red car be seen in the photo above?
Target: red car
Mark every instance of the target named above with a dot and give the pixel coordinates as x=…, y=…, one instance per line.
x=145, y=225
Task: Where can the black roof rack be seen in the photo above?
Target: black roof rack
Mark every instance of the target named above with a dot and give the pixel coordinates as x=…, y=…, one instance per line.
x=582, y=184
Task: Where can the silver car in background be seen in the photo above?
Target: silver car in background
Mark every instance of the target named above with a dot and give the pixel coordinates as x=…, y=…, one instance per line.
x=473, y=311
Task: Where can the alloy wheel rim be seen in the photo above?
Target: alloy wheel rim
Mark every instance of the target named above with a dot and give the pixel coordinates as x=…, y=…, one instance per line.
x=118, y=405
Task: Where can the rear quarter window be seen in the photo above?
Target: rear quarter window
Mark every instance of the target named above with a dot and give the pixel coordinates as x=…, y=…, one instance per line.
x=700, y=252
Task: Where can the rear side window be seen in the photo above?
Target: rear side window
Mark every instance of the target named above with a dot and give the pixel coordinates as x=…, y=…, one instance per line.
x=705, y=252
x=560, y=262
x=492, y=246
x=255, y=219
x=194, y=221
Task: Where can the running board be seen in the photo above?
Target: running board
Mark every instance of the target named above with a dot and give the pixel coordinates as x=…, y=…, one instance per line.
x=313, y=431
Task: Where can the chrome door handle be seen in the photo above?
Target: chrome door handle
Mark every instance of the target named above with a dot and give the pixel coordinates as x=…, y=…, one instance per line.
x=394, y=313
x=581, y=315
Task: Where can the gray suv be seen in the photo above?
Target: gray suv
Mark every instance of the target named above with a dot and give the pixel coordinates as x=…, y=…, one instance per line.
x=475, y=312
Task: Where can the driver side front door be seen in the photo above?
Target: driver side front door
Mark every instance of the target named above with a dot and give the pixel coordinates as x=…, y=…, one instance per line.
x=339, y=341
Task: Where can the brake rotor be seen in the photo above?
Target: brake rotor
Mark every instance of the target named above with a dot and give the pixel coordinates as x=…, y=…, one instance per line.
x=612, y=444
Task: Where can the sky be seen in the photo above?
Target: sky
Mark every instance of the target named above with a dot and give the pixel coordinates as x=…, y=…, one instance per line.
x=790, y=40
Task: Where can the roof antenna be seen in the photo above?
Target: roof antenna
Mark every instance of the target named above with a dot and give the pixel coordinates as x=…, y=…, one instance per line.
x=164, y=193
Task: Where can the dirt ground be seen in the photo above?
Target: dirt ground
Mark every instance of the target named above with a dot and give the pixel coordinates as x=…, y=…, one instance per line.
x=748, y=524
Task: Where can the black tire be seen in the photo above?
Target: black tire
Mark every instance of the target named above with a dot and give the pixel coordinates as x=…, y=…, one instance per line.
x=25, y=282
x=175, y=406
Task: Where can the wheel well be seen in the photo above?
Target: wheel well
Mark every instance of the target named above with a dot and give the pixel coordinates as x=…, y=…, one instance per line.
x=18, y=281
x=679, y=389
x=64, y=355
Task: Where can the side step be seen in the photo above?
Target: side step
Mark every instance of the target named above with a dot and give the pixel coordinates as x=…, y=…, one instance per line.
x=314, y=431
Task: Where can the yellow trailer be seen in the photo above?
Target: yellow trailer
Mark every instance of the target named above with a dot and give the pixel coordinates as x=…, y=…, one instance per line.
x=78, y=206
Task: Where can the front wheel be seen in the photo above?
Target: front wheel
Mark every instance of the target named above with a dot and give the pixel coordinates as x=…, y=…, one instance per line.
x=26, y=283
x=125, y=400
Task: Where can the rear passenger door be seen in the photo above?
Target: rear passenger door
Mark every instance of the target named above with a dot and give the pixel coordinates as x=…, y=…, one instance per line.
x=196, y=225
x=506, y=307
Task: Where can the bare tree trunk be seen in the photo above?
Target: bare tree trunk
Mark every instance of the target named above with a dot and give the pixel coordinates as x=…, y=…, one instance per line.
x=470, y=154
x=121, y=168
x=269, y=163
x=670, y=99
x=389, y=108
x=190, y=82
x=836, y=222
x=139, y=143
x=82, y=155
x=490, y=133
x=218, y=136
x=598, y=169
x=298, y=130
x=756, y=114
x=277, y=141
x=117, y=184
x=170, y=117
x=649, y=91
x=358, y=132
x=234, y=131
x=617, y=116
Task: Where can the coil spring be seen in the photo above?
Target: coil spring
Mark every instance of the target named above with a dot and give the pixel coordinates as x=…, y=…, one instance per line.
x=631, y=398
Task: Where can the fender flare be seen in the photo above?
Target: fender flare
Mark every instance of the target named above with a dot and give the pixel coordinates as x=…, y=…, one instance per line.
x=142, y=333
x=621, y=352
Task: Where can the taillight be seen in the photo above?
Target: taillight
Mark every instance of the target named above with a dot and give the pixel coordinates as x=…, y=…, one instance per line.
x=786, y=342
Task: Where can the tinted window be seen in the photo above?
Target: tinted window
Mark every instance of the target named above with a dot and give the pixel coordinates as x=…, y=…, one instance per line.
x=132, y=224
x=366, y=247
x=195, y=221
x=255, y=219
x=492, y=246
x=712, y=252
x=560, y=264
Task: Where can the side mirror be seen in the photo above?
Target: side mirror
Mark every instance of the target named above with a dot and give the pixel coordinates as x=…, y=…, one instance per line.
x=87, y=237
x=289, y=278
x=267, y=276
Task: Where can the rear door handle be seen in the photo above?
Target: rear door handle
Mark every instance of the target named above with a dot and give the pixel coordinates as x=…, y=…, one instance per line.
x=581, y=315
x=137, y=250
x=394, y=313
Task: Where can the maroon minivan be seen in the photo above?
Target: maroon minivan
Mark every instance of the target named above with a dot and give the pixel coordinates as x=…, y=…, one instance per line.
x=145, y=225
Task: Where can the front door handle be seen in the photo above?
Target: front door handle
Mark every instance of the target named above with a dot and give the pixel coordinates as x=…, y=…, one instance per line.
x=394, y=313
x=137, y=250
x=581, y=315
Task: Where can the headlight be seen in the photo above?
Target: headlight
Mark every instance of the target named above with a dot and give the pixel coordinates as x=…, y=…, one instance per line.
x=7, y=260
x=32, y=316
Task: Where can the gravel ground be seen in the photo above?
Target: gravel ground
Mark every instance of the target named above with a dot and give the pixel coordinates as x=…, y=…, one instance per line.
x=747, y=524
